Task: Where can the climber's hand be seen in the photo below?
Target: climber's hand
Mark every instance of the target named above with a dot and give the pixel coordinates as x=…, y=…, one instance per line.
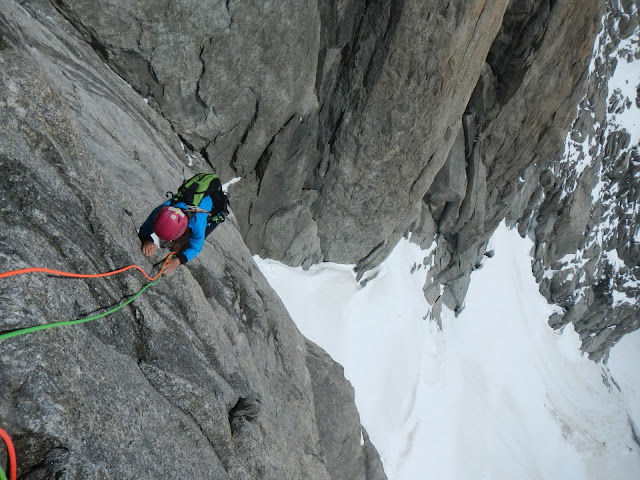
x=171, y=265
x=149, y=249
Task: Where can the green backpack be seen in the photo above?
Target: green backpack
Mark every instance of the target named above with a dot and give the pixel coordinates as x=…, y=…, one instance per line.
x=196, y=188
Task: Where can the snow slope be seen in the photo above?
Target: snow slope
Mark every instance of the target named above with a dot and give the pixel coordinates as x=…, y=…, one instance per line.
x=495, y=394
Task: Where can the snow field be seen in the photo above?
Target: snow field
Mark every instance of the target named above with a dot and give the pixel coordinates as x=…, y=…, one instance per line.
x=495, y=394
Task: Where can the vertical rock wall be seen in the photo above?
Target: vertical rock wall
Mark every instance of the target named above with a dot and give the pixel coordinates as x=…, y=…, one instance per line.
x=518, y=116
x=352, y=123
x=204, y=376
x=326, y=112
x=584, y=215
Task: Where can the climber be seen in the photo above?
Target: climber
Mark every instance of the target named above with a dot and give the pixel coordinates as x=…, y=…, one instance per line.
x=186, y=219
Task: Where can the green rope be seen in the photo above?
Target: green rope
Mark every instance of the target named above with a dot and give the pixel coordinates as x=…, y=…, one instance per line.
x=2, y=475
x=22, y=331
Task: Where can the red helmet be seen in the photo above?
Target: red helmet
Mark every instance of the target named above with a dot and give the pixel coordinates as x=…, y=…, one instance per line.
x=170, y=223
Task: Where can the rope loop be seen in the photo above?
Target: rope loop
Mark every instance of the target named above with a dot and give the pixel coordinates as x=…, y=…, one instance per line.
x=13, y=464
x=22, y=331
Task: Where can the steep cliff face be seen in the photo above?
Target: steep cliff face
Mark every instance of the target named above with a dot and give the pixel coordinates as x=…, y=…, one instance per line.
x=376, y=119
x=202, y=376
x=576, y=198
x=518, y=116
x=586, y=220
x=350, y=124
x=353, y=123
x=336, y=115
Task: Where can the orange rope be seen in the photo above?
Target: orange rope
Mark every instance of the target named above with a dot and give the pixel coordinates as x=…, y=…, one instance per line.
x=5, y=436
x=77, y=275
x=13, y=464
x=36, y=328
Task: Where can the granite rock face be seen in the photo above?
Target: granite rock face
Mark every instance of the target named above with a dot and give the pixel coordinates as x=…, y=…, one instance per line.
x=584, y=216
x=349, y=124
x=353, y=123
x=325, y=109
x=204, y=376
x=518, y=117
x=237, y=83
x=576, y=197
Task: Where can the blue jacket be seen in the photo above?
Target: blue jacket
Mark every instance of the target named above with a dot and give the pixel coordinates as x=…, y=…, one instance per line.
x=197, y=227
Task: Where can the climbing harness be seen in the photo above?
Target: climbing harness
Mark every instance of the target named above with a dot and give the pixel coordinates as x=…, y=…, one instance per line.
x=12, y=457
x=22, y=331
